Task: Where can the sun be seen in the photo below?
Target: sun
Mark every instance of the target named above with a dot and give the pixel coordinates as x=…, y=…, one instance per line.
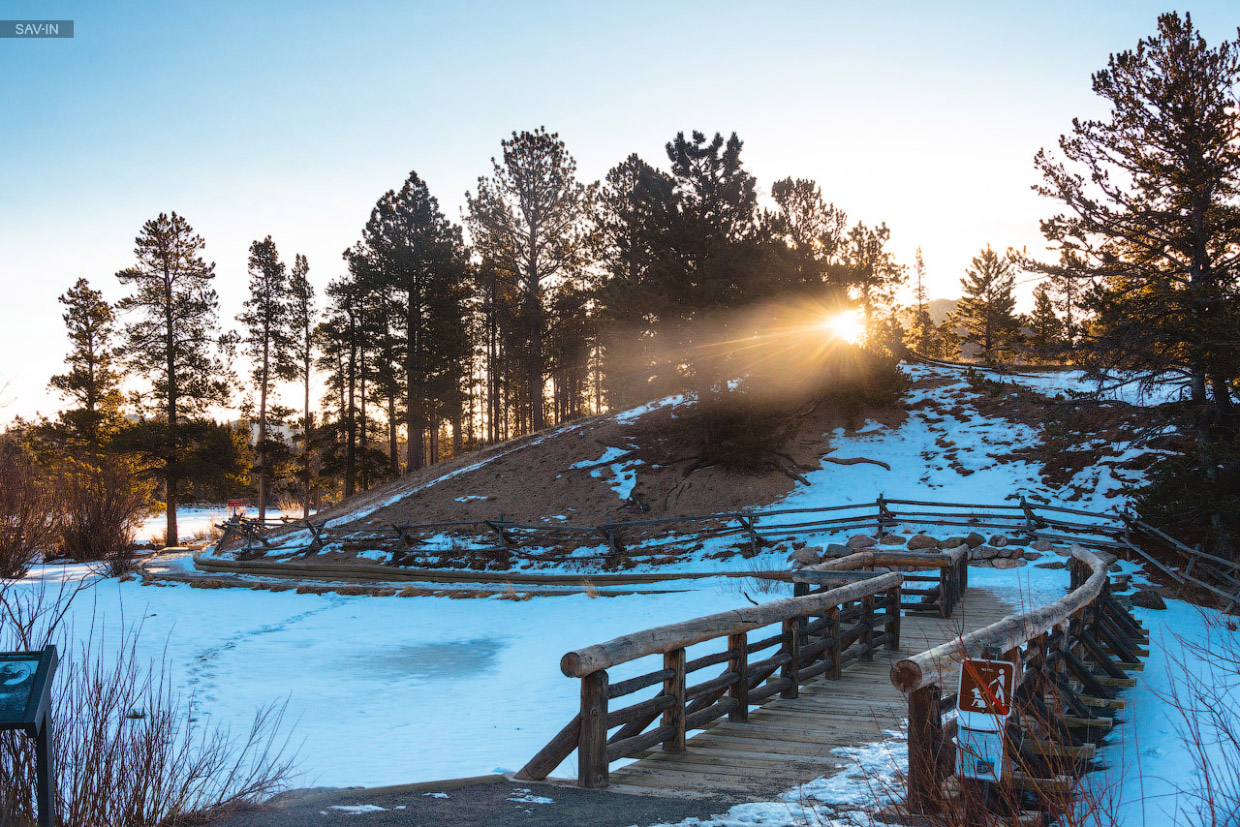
x=848, y=326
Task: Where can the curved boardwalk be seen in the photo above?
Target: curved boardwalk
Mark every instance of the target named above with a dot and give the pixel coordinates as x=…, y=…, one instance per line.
x=789, y=742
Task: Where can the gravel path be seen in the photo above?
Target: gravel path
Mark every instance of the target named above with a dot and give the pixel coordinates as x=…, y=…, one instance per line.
x=487, y=802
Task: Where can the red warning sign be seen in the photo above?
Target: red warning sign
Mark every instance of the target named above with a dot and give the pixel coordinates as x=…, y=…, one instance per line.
x=986, y=687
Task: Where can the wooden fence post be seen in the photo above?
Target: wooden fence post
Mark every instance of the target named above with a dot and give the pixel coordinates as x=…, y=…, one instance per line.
x=791, y=647
x=835, y=650
x=946, y=580
x=925, y=734
x=592, y=746
x=739, y=663
x=867, y=634
x=893, y=613
x=674, y=688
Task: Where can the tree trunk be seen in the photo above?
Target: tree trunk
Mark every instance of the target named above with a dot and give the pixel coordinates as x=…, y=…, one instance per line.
x=262, y=434
x=305, y=449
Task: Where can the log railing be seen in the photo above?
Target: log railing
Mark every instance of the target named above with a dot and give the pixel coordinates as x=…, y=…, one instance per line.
x=1056, y=649
x=768, y=650
x=633, y=539
x=942, y=592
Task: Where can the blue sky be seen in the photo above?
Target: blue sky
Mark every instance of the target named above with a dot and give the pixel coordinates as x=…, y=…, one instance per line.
x=291, y=119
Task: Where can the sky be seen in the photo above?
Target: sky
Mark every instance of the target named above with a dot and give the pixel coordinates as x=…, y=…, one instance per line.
x=292, y=118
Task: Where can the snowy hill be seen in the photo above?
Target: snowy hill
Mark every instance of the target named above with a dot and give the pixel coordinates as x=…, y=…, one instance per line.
x=956, y=436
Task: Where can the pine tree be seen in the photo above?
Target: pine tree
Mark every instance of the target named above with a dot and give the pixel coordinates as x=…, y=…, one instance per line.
x=874, y=273
x=986, y=311
x=923, y=334
x=633, y=207
x=1151, y=213
x=709, y=258
x=410, y=249
x=527, y=219
x=92, y=382
x=810, y=241
x=174, y=340
x=302, y=321
x=269, y=339
x=1046, y=329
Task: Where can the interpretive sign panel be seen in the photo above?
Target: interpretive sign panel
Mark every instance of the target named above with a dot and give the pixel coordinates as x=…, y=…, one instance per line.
x=18, y=671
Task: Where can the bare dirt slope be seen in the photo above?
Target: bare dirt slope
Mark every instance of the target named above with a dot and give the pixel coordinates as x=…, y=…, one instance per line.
x=557, y=474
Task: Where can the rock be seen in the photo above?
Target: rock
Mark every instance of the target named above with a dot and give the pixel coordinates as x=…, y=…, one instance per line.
x=920, y=541
x=837, y=550
x=1032, y=555
x=1008, y=563
x=861, y=541
x=799, y=544
x=974, y=540
x=982, y=564
x=951, y=542
x=802, y=557
x=983, y=553
x=1042, y=545
x=1054, y=564
x=1115, y=567
x=1061, y=551
x=998, y=541
x=892, y=540
x=1149, y=599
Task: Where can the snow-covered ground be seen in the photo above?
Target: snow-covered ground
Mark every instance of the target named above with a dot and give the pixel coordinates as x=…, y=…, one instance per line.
x=391, y=690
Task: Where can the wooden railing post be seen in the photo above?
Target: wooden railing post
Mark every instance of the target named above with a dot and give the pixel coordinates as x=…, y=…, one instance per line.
x=946, y=580
x=925, y=735
x=674, y=688
x=739, y=663
x=867, y=634
x=792, y=648
x=835, y=651
x=893, y=614
x=592, y=746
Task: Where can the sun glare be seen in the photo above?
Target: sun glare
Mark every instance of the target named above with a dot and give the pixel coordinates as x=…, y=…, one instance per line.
x=848, y=326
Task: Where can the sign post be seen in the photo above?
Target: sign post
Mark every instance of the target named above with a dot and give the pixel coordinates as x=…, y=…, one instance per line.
x=26, y=705
x=983, y=704
x=237, y=507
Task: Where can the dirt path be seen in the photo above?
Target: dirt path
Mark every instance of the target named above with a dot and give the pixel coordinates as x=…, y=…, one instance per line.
x=491, y=802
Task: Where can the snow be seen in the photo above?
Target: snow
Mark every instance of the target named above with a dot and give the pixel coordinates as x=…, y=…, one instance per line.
x=369, y=681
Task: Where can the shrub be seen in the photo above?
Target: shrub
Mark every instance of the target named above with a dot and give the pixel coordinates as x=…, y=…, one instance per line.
x=27, y=509
x=101, y=504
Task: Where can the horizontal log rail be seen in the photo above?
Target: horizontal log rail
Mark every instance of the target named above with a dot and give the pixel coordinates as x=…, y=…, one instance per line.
x=634, y=539
x=770, y=650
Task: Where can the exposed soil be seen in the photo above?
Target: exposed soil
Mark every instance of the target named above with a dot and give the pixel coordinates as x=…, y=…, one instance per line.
x=533, y=479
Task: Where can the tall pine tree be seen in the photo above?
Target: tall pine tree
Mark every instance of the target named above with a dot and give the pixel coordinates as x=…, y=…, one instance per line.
x=987, y=311
x=268, y=338
x=173, y=339
x=92, y=382
x=527, y=220
x=302, y=320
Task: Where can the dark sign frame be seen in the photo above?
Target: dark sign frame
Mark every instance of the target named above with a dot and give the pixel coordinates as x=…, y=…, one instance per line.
x=36, y=722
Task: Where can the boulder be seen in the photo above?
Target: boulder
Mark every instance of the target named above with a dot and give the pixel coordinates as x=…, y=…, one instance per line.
x=921, y=541
x=1149, y=599
x=951, y=542
x=1042, y=545
x=1007, y=563
x=974, y=540
x=983, y=553
x=982, y=564
x=998, y=540
x=892, y=540
x=1061, y=551
x=837, y=550
x=1032, y=555
x=1053, y=564
x=802, y=557
x=861, y=541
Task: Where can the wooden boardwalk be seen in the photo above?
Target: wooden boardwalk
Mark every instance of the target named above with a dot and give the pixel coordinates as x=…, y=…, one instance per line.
x=789, y=742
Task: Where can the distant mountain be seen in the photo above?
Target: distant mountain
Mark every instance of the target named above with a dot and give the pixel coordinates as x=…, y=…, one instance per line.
x=940, y=308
